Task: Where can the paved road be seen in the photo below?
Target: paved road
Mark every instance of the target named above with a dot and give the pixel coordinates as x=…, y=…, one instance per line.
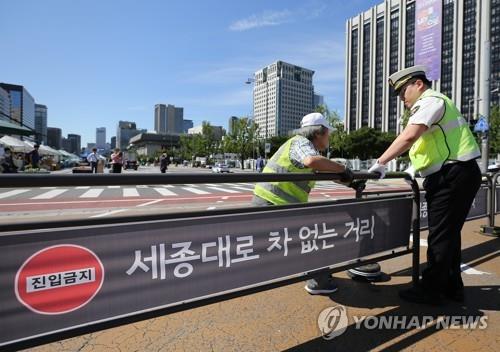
x=42, y=203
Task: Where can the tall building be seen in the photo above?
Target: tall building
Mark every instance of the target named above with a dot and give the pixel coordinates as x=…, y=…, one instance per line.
x=230, y=124
x=381, y=41
x=4, y=105
x=187, y=124
x=169, y=119
x=113, y=142
x=124, y=132
x=100, y=137
x=75, y=143
x=41, y=123
x=319, y=100
x=282, y=95
x=22, y=105
x=54, y=137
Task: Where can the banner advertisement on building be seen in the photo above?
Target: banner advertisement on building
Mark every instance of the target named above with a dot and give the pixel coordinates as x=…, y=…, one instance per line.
x=428, y=23
x=73, y=277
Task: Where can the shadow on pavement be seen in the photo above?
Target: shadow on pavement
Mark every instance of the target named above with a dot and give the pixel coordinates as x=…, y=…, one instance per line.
x=356, y=294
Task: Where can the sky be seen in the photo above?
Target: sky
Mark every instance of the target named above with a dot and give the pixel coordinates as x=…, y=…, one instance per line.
x=95, y=62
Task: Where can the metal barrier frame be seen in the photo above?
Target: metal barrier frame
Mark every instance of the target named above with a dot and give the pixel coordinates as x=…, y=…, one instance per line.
x=9, y=181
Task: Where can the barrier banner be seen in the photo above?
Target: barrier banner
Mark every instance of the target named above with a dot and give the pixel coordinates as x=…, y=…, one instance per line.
x=59, y=279
x=478, y=209
x=428, y=23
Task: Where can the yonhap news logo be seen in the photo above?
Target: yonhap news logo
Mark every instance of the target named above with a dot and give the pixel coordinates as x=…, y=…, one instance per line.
x=334, y=321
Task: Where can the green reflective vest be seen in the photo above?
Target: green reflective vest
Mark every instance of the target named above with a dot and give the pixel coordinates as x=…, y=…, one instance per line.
x=449, y=139
x=281, y=193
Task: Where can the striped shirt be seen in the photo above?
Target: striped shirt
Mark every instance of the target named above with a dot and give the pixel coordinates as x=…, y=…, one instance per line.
x=300, y=149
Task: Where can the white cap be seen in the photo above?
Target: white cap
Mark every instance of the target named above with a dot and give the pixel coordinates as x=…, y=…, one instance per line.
x=315, y=119
x=398, y=79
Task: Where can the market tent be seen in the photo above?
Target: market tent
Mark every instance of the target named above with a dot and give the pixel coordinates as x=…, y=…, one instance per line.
x=16, y=145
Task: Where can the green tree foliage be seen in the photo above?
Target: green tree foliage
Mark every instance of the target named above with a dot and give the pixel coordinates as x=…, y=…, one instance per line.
x=243, y=139
x=494, y=132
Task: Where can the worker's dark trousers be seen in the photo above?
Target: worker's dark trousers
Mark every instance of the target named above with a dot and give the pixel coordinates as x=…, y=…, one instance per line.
x=449, y=194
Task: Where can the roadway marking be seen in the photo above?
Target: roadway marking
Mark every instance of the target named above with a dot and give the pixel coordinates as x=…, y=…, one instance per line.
x=108, y=213
x=92, y=193
x=50, y=194
x=224, y=190
x=47, y=187
x=130, y=192
x=471, y=271
x=195, y=190
x=82, y=187
x=13, y=193
x=211, y=208
x=243, y=188
x=149, y=203
x=113, y=186
x=165, y=192
x=225, y=197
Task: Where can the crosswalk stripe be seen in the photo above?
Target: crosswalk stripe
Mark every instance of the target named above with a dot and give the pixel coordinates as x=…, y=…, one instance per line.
x=227, y=190
x=190, y=185
x=246, y=184
x=92, y=193
x=130, y=192
x=243, y=188
x=13, y=193
x=212, y=184
x=50, y=194
x=113, y=186
x=142, y=186
x=82, y=187
x=195, y=190
x=165, y=192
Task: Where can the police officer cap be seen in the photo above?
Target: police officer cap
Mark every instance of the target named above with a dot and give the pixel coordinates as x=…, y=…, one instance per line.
x=398, y=79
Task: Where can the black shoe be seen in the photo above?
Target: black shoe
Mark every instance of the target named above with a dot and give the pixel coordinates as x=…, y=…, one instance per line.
x=456, y=295
x=370, y=272
x=419, y=295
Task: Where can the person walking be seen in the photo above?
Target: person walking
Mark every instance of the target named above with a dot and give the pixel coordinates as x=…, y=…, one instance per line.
x=34, y=157
x=93, y=159
x=443, y=150
x=163, y=163
x=117, y=161
x=300, y=154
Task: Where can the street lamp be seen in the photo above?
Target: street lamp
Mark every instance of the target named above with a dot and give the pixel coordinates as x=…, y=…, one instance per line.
x=250, y=81
x=471, y=100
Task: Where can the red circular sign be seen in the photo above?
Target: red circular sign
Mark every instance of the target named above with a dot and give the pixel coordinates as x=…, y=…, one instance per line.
x=59, y=279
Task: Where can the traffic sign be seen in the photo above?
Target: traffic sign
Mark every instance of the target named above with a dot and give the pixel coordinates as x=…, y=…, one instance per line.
x=59, y=279
x=268, y=147
x=481, y=125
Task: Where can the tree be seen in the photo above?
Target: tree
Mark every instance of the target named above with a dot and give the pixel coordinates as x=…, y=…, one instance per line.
x=367, y=143
x=494, y=131
x=242, y=139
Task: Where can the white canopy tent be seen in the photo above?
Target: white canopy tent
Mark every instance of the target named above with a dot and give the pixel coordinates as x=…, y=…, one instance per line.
x=16, y=145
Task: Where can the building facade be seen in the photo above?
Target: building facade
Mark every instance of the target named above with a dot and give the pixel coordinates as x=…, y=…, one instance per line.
x=283, y=93
x=230, y=124
x=169, y=119
x=22, y=105
x=100, y=137
x=54, y=137
x=4, y=105
x=381, y=41
x=75, y=143
x=319, y=100
x=187, y=124
x=124, y=132
x=41, y=123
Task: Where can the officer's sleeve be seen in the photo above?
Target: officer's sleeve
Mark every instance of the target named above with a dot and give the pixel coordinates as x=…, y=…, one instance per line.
x=427, y=111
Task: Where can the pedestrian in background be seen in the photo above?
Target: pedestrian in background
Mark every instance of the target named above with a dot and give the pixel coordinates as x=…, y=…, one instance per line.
x=93, y=158
x=163, y=163
x=117, y=161
x=34, y=157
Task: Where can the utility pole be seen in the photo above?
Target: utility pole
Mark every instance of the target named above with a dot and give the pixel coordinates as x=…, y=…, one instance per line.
x=484, y=79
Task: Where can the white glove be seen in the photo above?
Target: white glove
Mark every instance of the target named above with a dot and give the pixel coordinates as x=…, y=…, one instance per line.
x=410, y=171
x=378, y=168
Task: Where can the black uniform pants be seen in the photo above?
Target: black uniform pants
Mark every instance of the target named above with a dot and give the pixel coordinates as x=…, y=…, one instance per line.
x=449, y=195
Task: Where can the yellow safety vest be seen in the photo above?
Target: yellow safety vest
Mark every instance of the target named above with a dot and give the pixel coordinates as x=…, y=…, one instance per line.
x=281, y=193
x=449, y=139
